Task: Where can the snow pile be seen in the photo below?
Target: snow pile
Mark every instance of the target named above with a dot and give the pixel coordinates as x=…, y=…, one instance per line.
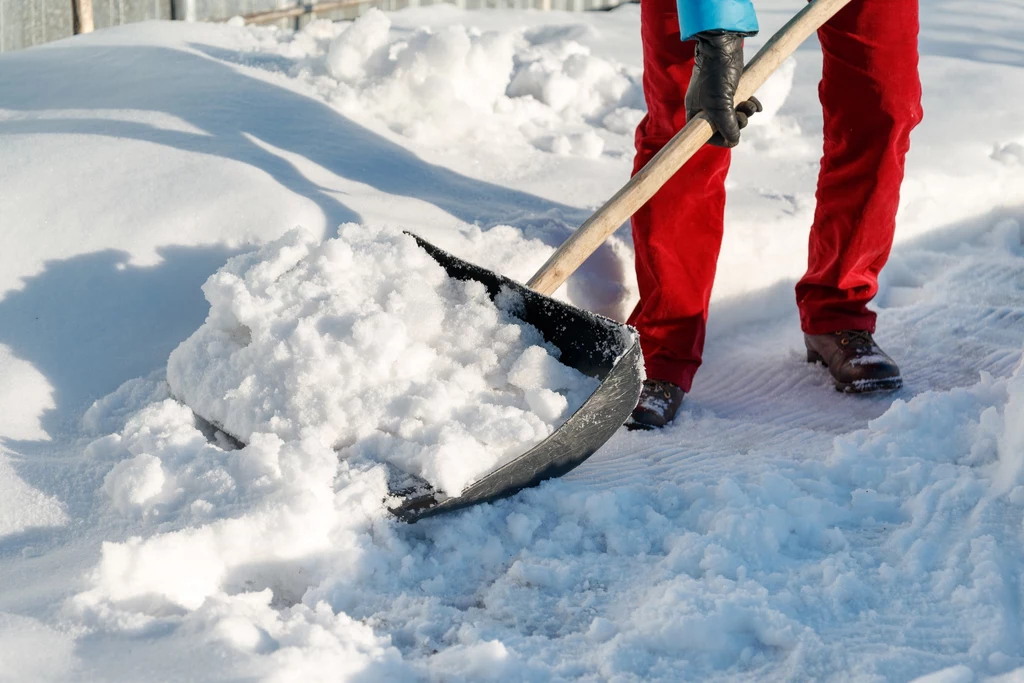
x=557, y=71
x=363, y=343
x=269, y=499
x=541, y=85
x=429, y=84
x=452, y=83
x=228, y=539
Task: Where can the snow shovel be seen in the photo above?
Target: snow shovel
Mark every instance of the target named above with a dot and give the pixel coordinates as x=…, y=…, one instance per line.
x=596, y=346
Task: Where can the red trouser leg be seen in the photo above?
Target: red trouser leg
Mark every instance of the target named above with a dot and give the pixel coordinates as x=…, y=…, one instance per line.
x=871, y=94
x=678, y=233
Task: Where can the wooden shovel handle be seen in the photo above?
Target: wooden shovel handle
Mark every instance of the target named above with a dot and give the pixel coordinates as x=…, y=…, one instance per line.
x=648, y=180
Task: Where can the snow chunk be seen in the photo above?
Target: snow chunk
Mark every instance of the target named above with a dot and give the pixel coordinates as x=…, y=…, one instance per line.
x=350, y=53
x=429, y=84
x=363, y=343
x=484, y=661
x=623, y=120
x=109, y=413
x=134, y=483
x=587, y=144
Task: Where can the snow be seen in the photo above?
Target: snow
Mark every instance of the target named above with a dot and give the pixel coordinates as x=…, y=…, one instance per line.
x=364, y=344
x=778, y=529
x=435, y=85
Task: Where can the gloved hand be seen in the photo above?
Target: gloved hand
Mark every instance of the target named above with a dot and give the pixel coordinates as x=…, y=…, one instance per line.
x=716, y=73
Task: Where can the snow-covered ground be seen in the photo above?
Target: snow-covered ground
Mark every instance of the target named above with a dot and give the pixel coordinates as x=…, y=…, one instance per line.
x=777, y=530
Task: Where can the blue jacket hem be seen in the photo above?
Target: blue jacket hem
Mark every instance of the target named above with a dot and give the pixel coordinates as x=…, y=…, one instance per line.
x=697, y=16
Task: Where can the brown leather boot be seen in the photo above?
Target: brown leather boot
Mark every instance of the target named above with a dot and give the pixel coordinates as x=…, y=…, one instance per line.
x=854, y=360
x=659, y=402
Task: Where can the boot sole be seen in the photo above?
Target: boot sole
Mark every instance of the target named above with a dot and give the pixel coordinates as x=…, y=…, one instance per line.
x=865, y=386
x=633, y=424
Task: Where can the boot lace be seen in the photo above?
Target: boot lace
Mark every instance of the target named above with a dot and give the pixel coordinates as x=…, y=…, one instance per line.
x=654, y=386
x=860, y=339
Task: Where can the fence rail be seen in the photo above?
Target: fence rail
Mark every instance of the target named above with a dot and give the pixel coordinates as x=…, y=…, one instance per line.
x=24, y=23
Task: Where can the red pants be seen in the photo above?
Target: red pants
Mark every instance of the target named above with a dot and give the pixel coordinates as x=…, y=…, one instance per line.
x=871, y=95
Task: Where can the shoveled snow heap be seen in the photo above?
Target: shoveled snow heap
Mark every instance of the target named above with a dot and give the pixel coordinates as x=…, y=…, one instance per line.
x=363, y=343
x=439, y=85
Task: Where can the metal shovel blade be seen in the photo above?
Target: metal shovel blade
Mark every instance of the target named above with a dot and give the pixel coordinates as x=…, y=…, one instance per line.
x=594, y=345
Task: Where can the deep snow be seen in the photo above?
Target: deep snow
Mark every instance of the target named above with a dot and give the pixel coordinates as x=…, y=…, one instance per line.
x=777, y=530
x=363, y=344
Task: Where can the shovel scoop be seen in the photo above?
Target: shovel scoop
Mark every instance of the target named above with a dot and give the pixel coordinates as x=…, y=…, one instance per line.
x=592, y=344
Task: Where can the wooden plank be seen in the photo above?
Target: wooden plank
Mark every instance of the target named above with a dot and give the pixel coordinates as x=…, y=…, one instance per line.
x=291, y=12
x=83, y=16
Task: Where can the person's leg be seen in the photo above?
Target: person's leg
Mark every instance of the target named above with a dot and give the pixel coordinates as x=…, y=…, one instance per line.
x=678, y=233
x=871, y=95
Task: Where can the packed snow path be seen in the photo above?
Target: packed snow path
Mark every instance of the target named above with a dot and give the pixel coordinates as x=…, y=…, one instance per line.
x=777, y=530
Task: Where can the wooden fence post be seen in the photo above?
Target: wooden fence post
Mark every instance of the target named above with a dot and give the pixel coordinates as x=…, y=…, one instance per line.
x=83, y=16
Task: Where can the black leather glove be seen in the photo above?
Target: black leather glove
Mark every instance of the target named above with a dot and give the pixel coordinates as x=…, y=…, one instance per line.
x=716, y=73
